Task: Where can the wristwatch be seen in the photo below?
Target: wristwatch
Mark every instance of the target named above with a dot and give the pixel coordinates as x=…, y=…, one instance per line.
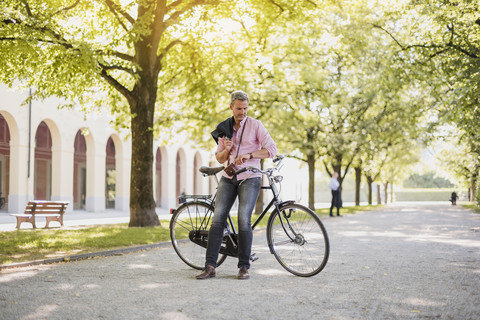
x=251, y=155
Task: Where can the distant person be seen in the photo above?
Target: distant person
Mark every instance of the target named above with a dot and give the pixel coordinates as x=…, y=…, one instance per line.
x=336, y=195
x=453, y=198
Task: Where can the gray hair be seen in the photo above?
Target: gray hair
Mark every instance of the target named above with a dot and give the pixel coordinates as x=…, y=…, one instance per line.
x=238, y=95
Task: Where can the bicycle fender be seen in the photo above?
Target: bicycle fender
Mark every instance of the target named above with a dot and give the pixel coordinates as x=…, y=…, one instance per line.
x=280, y=205
x=284, y=203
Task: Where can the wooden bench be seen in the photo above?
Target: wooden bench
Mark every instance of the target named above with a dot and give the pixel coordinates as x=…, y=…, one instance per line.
x=51, y=210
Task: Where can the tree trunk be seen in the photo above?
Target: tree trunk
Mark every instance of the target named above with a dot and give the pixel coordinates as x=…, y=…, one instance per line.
x=358, y=180
x=259, y=203
x=379, y=194
x=370, y=195
x=473, y=188
x=337, y=167
x=142, y=203
x=385, y=185
x=391, y=193
x=311, y=181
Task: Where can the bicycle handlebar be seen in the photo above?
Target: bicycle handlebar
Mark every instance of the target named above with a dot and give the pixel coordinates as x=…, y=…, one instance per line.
x=278, y=158
x=254, y=169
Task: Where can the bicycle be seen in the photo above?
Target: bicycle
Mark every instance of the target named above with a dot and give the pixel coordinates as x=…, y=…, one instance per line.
x=295, y=234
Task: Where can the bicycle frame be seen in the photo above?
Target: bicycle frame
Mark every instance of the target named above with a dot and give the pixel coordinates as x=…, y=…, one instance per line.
x=276, y=202
x=295, y=234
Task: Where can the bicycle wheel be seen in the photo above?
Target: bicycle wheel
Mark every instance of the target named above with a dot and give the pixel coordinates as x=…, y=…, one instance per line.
x=298, y=239
x=189, y=230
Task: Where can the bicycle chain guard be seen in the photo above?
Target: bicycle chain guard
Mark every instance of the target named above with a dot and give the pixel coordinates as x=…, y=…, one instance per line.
x=228, y=247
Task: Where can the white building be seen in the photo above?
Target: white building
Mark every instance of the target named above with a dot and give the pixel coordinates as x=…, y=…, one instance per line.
x=52, y=154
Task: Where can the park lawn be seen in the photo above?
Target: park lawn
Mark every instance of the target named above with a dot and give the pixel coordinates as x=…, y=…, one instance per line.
x=36, y=244
x=472, y=206
x=347, y=210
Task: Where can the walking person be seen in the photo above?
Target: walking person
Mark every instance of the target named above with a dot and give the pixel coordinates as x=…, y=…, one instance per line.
x=242, y=142
x=453, y=198
x=336, y=194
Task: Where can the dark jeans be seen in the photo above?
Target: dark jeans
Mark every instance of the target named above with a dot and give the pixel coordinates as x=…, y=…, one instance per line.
x=336, y=202
x=228, y=189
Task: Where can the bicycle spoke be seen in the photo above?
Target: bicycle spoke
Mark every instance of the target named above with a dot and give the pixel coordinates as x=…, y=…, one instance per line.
x=193, y=216
x=299, y=240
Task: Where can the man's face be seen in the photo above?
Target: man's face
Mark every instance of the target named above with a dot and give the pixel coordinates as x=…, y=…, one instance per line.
x=239, y=109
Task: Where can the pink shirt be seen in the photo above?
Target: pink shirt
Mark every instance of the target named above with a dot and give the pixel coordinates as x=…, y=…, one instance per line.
x=254, y=138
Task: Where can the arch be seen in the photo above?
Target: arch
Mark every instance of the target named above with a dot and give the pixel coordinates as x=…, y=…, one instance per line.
x=53, y=167
x=122, y=191
x=79, y=170
x=197, y=176
x=4, y=162
x=17, y=192
x=43, y=163
x=181, y=177
x=110, y=174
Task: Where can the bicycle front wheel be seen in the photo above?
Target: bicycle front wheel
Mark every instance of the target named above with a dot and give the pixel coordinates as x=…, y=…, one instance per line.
x=189, y=230
x=298, y=239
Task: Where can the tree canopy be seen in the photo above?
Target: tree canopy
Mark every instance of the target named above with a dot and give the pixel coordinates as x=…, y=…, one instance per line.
x=339, y=84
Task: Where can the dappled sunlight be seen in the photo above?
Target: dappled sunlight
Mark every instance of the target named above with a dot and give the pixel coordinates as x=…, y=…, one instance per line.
x=270, y=272
x=43, y=312
x=175, y=315
x=467, y=243
x=91, y=286
x=140, y=266
x=63, y=286
x=154, y=285
x=13, y=275
x=419, y=302
x=421, y=236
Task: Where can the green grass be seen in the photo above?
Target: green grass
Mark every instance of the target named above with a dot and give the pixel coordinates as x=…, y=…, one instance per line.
x=347, y=210
x=472, y=206
x=34, y=244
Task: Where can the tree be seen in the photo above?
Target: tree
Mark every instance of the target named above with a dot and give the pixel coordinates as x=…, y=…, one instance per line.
x=267, y=69
x=460, y=157
x=443, y=38
x=97, y=53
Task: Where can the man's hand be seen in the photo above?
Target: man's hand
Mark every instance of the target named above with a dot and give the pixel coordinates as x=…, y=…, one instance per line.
x=228, y=144
x=224, y=154
x=242, y=158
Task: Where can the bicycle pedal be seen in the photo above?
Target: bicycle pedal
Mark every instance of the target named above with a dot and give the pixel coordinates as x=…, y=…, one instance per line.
x=253, y=257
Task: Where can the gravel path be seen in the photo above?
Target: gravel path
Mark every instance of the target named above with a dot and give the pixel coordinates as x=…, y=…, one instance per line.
x=400, y=262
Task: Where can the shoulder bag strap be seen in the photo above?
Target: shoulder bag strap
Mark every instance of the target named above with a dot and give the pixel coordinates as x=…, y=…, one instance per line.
x=241, y=137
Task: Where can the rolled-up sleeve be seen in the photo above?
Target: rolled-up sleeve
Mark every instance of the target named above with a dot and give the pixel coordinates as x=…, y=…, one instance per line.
x=266, y=140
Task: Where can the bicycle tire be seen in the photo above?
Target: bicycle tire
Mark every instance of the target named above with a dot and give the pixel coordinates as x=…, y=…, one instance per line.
x=301, y=244
x=191, y=217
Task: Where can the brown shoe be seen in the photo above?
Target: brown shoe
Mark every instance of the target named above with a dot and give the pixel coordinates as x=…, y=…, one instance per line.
x=243, y=274
x=208, y=272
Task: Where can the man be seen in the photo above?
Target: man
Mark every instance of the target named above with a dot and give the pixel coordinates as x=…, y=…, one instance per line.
x=249, y=142
x=453, y=198
x=336, y=196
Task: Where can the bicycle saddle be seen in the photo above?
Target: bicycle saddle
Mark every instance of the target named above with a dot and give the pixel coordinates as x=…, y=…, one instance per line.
x=210, y=170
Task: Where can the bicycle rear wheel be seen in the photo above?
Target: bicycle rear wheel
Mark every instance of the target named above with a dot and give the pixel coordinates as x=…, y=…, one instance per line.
x=189, y=230
x=298, y=239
